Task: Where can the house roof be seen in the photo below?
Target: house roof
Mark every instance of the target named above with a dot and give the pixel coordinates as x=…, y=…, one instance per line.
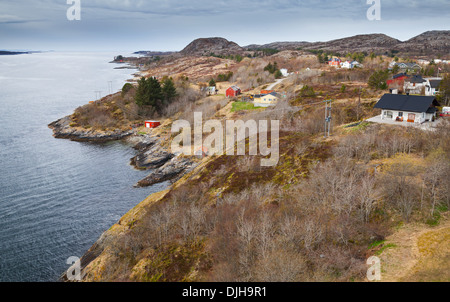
x=435, y=83
x=235, y=88
x=408, y=65
x=401, y=102
x=403, y=74
x=417, y=78
x=432, y=110
x=274, y=94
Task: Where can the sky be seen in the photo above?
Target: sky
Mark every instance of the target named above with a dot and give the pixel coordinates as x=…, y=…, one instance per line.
x=169, y=25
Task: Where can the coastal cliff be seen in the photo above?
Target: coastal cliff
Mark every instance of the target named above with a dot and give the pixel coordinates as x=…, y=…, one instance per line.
x=151, y=155
x=62, y=129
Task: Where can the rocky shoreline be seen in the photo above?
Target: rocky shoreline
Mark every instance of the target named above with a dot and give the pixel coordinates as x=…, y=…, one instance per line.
x=62, y=129
x=164, y=165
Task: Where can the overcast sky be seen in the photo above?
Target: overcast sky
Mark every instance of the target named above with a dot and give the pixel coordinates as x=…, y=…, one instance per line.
x=130, y=25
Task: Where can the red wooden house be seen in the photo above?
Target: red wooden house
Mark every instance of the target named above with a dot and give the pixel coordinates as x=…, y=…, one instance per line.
x=398, y=79
x=152, y=124
x=336, y=62
x=233, y=91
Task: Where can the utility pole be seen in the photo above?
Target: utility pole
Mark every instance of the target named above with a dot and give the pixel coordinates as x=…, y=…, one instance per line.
x=98, y=94
x=327, y=118
x=110, y=87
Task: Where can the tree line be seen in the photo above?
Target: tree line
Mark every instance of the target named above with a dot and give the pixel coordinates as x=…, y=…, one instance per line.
x=150, y=92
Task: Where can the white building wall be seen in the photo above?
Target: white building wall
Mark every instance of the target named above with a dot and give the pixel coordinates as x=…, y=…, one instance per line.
x=419, y=117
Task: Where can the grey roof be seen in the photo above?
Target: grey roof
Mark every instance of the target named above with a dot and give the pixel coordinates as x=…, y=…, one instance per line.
x=408, y=65
x=235, y=88
x=401, y=102
x=417, y=78
x=435, y=83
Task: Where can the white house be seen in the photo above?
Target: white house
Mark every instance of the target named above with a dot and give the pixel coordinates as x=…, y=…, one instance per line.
x=347, y=64
x=414, y=84
x=211, y=90
x=423, y=62
x=357, y=64
x=284, y=72
x=407, y=108
x=432, y=86
x=405, y=66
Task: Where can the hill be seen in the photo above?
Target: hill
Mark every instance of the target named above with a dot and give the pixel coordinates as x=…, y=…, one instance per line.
x=217, y=46
x=428, y=43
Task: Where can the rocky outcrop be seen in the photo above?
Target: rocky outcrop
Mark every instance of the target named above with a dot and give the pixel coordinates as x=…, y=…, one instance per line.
x=151, y=157
x=62, y=129
x=172, y=170
x=206, y=46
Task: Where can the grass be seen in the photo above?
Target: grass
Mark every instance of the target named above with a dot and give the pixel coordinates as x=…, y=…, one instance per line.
x=436, y=219
x=381, y=244
x=376, y=243
x=434, y=259
x=384, y=247
x=357, y=126
x=239, y=106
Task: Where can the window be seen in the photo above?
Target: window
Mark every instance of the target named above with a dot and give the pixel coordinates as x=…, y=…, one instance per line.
x=388, y=114
x=400, y=114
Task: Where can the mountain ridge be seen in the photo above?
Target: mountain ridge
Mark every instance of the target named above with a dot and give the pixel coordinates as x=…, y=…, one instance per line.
x=435, y=42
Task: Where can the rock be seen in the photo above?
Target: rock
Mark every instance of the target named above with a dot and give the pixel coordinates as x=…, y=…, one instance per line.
x=151, y=156
x=62, y=129
x=172, y=170
x=142, y=142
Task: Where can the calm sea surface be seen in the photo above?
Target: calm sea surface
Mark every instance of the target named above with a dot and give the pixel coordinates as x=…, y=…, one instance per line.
x=57, y=196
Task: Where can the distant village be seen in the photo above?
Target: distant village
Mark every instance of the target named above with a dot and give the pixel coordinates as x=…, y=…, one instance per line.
x=411, y=97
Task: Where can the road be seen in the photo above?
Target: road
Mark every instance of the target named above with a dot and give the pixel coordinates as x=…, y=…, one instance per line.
x=270, y=87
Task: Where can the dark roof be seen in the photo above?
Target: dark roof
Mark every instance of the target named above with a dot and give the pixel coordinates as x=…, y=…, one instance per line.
x=401, y=102
x=417, y=78
x=432, y=110
x=403, y=74
x=435, y=83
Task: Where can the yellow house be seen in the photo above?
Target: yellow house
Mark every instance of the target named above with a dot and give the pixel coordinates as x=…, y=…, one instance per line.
x=270, y=98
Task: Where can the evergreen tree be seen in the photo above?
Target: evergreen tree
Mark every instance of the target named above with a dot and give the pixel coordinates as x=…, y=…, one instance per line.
x=149, y=93
x=141, y=92
x=278, y=74
x=212, y=83
x=168, y=90
x=378, y=79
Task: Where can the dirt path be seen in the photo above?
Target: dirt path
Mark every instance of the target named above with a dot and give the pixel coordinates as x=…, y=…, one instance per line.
x=275, y=83
x=420, y=253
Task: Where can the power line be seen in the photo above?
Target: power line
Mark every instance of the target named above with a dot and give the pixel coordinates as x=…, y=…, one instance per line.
x=110, y=87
